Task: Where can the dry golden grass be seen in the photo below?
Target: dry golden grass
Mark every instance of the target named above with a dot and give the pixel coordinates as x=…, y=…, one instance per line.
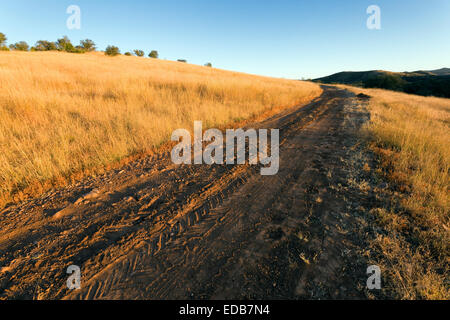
x=62, y=113
x=411, y=134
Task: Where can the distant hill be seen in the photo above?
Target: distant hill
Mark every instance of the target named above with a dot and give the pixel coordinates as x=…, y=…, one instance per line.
x=439, y=72
x=425, y=83
x=350, y=77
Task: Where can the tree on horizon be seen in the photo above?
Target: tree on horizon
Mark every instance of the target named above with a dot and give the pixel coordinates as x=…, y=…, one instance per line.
x=154, y=54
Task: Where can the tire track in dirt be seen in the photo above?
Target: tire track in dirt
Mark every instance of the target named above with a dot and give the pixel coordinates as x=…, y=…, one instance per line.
x=158, y=231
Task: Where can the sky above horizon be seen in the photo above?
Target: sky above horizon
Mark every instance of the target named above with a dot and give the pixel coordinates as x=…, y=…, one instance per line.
x=283, y=38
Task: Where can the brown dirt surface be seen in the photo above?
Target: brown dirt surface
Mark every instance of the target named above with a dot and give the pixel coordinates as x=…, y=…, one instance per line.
x=155, y=230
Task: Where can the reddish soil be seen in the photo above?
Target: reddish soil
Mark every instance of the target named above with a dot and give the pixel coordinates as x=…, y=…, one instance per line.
x=154, y=230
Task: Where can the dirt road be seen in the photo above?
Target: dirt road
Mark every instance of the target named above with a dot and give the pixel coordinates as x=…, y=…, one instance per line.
x=153, y=230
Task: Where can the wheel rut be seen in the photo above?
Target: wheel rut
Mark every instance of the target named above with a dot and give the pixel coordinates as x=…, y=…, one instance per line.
x=155, y=230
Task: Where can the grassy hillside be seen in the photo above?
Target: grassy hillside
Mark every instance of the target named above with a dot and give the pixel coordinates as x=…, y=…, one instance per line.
x=62, y=113
x=411, y=135
x=425, y=83
x=438, y=72
x=347, y=77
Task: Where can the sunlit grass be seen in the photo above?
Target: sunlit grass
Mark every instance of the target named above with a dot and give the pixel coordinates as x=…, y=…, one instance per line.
x=411, y=135
x=61, y=113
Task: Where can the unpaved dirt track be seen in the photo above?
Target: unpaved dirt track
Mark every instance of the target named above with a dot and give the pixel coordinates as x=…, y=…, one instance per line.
x=158, y=231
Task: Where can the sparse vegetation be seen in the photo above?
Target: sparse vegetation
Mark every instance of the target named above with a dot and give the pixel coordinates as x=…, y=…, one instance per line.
x=44, y=45
x=182, y=60
x=410, y=134
x=139, y=53
x=20, y=46
x=154, y=54
x=112, y=51
x=3, y=39
x=209, y=65
x=87, y=45
x=64, y=44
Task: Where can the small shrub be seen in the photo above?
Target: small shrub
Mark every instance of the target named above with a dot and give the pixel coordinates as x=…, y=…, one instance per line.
x=64, y=44
x=112, y=51
x=87, y=45
x=44, y=45
x=2, y=39
x=154, y=54
x=20, y=46
x=139, y=53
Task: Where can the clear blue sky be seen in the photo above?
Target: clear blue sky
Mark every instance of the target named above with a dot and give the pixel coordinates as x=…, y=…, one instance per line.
x=282, y=38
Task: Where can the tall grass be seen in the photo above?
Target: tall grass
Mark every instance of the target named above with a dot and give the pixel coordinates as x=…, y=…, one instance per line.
x=61, y=113
x=411, y=135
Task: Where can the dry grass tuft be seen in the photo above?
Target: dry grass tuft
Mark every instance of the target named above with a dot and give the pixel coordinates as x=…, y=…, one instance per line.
x=63, y=113
x=412, y=138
